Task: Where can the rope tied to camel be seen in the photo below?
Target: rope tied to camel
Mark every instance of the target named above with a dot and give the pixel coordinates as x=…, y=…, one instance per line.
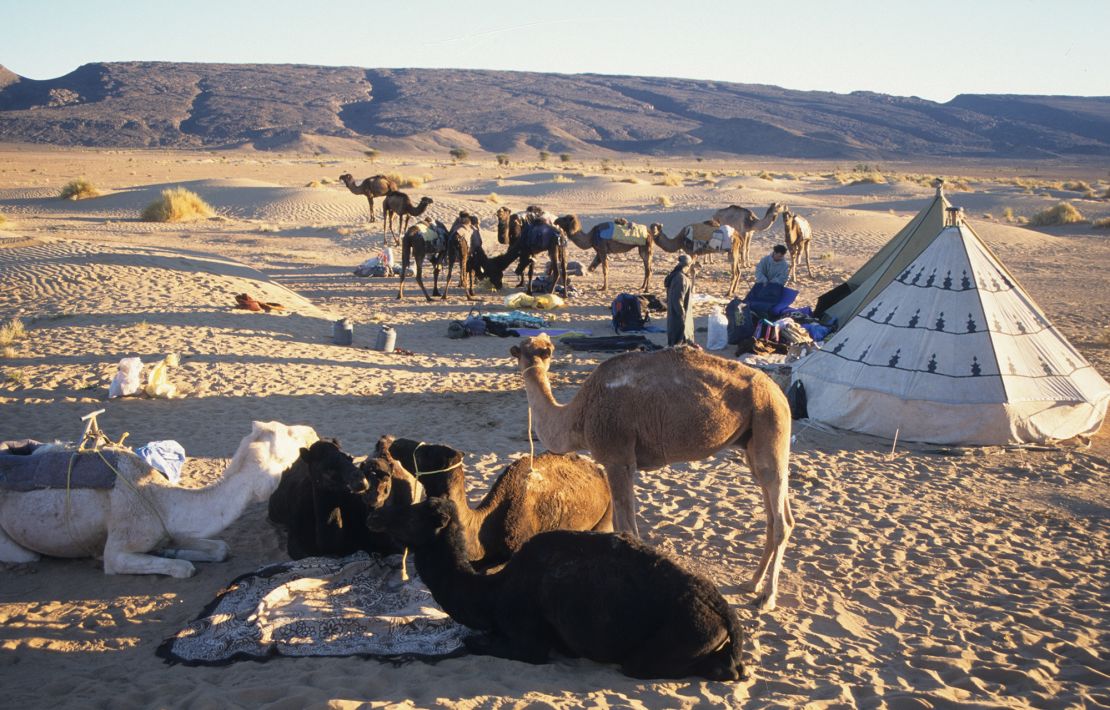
x=416, y=467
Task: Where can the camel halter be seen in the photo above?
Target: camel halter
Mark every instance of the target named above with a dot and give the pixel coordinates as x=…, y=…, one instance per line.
x=416, y=467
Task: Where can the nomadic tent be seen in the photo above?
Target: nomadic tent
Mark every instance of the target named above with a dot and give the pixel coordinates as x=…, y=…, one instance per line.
x=847, y=299
x=949, y=349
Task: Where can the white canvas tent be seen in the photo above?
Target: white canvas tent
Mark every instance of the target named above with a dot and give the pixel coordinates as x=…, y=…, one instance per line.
x=952, y=351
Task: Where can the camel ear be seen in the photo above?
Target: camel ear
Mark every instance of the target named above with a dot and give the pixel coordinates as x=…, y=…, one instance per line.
x=514, y=351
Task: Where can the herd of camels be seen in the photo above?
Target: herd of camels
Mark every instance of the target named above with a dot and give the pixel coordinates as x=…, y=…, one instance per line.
x=462, y=245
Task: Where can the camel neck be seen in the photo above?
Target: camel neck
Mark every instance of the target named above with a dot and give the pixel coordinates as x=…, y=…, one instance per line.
x=468, y=597
x=550, y=419
x=204, y=512
x=581, y=239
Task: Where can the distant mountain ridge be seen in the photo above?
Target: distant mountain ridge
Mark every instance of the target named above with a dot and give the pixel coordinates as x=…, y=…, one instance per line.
x=163, y=104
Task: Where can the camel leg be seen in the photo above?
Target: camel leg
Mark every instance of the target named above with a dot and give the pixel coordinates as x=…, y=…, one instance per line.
x=370, y=199
x=11, y=551
x=645, y=254
x=447, y=280
x=770, y=469
x=622, y=486
x=122, y=557
x=406, y=255
x=805, y=249
x=420, y=279
x=197, y=549
x=604, y=273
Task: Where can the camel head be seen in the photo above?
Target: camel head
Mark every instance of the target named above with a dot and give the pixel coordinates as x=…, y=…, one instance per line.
x=569, y=224
x=346, y=179
x=787, y=217
x=464, y=220
x=503, y=214
x=424, y=202
x=534, y=352
x=655, y=229
x=776, y=208
x=333, y=470
x=413, y=525
x=269, y=449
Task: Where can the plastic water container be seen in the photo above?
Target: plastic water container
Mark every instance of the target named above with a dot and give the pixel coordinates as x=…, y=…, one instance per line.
x=343, y=333
x=387, y=339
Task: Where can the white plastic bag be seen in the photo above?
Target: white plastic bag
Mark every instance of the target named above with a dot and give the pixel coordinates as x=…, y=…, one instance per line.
x=128, y=379
x=718, y=330
x=157, y=382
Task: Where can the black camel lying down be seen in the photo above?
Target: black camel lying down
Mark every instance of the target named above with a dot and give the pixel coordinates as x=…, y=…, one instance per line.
x=605, y=597
x=323, y=500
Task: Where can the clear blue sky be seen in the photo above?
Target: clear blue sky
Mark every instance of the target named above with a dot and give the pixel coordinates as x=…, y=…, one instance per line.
x=930, y=49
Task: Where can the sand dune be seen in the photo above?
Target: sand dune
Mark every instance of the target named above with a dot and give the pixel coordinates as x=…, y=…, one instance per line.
x=933, y=577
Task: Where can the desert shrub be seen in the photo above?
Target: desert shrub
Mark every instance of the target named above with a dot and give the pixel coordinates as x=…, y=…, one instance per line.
x=606, y=165
x=632, y=180
x=988, y=215
x=1063, y=213
x=671, y=180
x=663, y=201
x=1008, y=214
x=406, y=180
x=868, y=179
x=764, y=175
x=562, y=178
x=78, y=189
x=8, y=351
x=313, y=184
x=371, y=153
x=502, y=159
x=544, y=155
x=1103, y=223
x=564, y=157
x=459, y=153
x=494, y=198
x=12, y=330
x=177, y=205
x=1077, y=186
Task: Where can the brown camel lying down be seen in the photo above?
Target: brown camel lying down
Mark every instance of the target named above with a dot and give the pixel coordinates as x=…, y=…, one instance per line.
x=563, y=492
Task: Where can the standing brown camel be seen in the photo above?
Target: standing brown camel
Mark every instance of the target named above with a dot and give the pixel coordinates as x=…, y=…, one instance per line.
x=649, y=409
x=398, y=203
x=423, y=240
x=604, y=247
x=376, y=186
x=798, y=237
x=510, y=224
x=746, y=224
x=461, y=249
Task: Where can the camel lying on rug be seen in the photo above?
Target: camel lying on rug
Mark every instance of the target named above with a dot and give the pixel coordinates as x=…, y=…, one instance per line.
x=145, y=512
x=556, y=492
x=323, y=500
x=609, y=598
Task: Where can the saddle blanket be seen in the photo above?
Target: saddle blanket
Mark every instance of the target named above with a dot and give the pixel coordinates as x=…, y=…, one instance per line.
x=434, y=234
x=21, y=469
x=636, y=234
x=720, y=239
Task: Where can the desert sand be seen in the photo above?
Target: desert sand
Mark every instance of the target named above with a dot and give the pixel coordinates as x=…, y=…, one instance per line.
x=926, y=577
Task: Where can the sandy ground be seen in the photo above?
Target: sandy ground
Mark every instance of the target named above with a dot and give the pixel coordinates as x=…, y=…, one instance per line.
x=928, y=578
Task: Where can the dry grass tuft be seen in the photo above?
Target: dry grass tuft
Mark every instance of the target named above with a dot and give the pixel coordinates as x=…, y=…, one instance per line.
x=11, y=331
x=663, y=201
x=345, y=231
x=404, y=181
x=8, y=352
x=764, y=175
x=3, y=218
x=1103, y=223
x=1008, y=214
x=313, y=184
x=670, y=180
x=1063, y=213
x=177, y=205
x=868, y=179
x=1077, y=186
x=78, y=189
x=562, y=179
x=632, y=180
x=494, y=198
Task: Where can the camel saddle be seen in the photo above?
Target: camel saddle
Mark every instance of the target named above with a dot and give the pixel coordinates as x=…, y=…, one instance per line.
x=631, y=233
x=539, y=236
x=435, y=235
x=24, y=468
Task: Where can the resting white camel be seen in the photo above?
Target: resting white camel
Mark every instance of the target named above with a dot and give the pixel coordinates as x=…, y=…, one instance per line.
x=125, y=523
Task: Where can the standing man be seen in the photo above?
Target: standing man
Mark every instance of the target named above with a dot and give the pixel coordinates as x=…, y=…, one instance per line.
x=680, y=291
x=773, y=268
